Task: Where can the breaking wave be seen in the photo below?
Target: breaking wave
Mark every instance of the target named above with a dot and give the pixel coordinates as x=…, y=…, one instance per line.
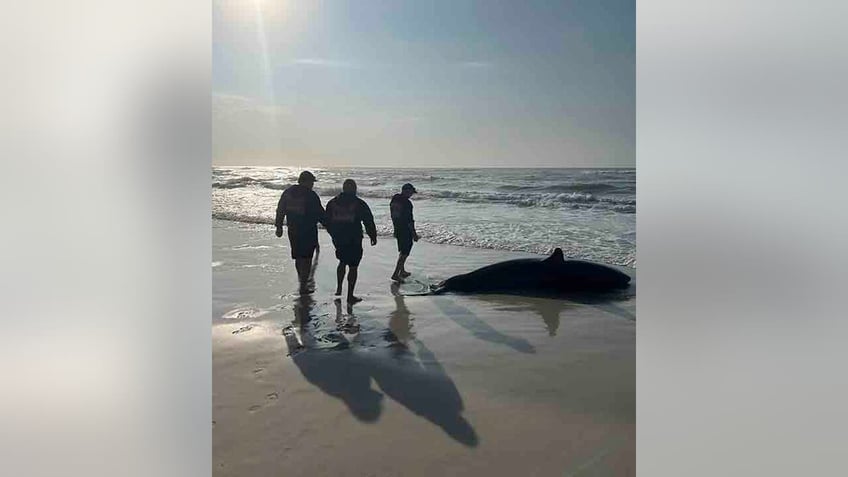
x=574, y=196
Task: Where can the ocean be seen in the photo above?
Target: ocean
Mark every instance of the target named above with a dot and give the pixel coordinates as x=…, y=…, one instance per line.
x=589, y=213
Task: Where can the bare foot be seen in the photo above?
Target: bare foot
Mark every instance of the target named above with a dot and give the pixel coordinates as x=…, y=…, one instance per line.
x=405, y=274
x=396, y=278
x=353, y=299
x=339, y=292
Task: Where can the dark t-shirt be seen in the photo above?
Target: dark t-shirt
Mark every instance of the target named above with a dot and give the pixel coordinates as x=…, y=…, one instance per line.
x=345, y=216
x=401, y=209
x=301, y=208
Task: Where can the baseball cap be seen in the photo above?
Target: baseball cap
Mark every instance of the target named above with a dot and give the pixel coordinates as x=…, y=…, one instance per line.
x=409, y=187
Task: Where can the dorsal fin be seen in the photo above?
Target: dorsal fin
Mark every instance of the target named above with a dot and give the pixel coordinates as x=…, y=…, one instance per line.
x=557, y=256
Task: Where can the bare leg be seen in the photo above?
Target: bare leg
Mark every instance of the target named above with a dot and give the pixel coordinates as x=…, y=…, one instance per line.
x=303, y=266
x=396, y=275
x=402, y=270
x=351, y=284
x=340, y=274
x=310, y=281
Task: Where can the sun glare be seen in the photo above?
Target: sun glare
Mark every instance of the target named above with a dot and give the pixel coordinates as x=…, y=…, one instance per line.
x=285, y=13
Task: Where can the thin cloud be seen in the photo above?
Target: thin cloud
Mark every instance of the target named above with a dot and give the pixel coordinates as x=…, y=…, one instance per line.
x=224, y=104
x=407, y=119
x=322, y=62
x=476, y=64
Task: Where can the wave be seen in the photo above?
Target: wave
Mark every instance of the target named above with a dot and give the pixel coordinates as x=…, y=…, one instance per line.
x=418, y=177
x=531, y=199
x=604, y=198
x=434, y=233
x=244, y=218
x=238, y=182
x=549, y=200
x=548, y=196
x=576, y=187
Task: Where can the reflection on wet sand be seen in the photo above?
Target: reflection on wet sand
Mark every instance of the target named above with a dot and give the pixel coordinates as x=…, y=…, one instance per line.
x=608, y=305
x=416, y=380
x=399, y=324
x=345, y=322
x=547, y=309
x=550, y=307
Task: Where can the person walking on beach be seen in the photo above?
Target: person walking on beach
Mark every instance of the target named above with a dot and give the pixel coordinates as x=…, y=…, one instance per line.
x=404, y=226
x=302, y=209
x=346, y=213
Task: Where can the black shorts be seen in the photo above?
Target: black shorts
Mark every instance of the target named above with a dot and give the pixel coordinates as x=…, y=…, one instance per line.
x=303, y=243
x=349, y=253
x=404, y=243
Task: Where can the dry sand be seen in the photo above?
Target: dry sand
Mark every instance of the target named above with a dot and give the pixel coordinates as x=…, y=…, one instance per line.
x=411, y=385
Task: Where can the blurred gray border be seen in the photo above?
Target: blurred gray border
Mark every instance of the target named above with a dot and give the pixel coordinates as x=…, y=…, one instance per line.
x=105, y=255
x=741, y=126
x=106, y=246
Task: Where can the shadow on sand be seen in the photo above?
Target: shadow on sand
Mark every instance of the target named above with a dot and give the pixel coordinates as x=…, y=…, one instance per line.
x=416, y=380
x=479, y=328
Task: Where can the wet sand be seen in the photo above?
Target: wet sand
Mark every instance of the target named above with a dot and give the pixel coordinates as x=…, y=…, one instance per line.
x=401, y=384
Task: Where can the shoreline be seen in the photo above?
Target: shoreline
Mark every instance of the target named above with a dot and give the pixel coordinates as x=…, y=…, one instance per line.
x=411, y=385
x=630, y=269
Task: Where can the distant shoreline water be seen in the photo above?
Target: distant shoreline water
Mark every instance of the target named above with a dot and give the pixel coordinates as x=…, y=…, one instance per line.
x=589, y=213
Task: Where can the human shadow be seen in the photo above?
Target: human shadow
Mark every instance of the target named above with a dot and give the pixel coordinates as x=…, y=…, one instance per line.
x=416, y=380
x=331, y=372
x=419, y=383
x=479, y=328
x=343, y=378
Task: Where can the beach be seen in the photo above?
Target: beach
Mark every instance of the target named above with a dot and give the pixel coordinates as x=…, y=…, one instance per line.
x=406, y=383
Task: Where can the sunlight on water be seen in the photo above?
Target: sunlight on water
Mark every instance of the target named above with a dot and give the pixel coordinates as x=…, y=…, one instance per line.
x=589, y=213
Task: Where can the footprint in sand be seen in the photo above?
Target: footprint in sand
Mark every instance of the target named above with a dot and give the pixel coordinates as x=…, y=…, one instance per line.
x=268, y=397
x=258, y=371
x=243, y=329
x=244, y=313
x=292, y=341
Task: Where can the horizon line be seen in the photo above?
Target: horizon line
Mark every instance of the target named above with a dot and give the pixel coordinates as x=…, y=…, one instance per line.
x=432, y=167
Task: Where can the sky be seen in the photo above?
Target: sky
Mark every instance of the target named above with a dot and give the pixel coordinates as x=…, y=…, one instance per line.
x=416, y=83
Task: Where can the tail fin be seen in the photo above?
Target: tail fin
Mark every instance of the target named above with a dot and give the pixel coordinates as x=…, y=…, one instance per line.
x=438, y=289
